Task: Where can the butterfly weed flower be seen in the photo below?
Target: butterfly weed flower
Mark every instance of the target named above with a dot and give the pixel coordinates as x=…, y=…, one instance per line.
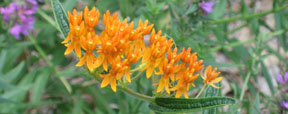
x=154, y=55
x=210, y=77
x=117, y=71
x=91, y=18
x=88, y=43
x=77, y=29
x=185, y=80
x=121, y=44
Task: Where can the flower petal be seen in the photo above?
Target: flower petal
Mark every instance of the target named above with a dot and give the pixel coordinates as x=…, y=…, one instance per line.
x=113, y=84
x=217, y=80
x=214, y=86
x=106, y=81
x=149, y=72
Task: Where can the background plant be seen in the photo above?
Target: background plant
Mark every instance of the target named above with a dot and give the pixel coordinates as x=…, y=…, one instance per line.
x=34, y=68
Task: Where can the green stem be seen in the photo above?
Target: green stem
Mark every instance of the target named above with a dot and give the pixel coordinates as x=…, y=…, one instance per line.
x=269, y=36
x=246, y=17
x=201, y=91
x=47, y=18
x=136, y=94
x=137, y=76
x=127, y=90
x=244, y=86
x=138, y=68
x=45, y=57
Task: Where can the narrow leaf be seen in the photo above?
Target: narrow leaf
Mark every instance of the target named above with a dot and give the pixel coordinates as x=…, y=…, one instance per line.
x=14, y=73
x=40, y=84
x=267, y=77
x=60, y=17
x=211, y=92
x=176, y=105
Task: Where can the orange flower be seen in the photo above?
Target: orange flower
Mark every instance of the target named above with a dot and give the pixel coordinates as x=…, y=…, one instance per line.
x=187, y=56
x=114, y=40
x=173, y=55
x=120, y=45
x=153, y=57
x=91, y=18
x=183, y=84
x=77, y=29
x=132, y=56
x=117, y=71
x=88, y=43
x=210, y=76
x=168, y=70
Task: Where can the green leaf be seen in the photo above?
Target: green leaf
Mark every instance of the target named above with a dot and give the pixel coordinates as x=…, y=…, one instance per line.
x=71, y=72
x=218, y=10
x=5, y=85
x=14, y=73
x=4, y=100
x=267, y=77
x=177, y=105
x=69, y=4
x=40, y=84
x=3, y=56
x=211, y=92
x=126, y=8
x=60, y=17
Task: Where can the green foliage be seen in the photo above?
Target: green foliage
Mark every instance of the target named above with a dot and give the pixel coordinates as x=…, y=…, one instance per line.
x=60, y=17
x=177, y=105
x=31, y=81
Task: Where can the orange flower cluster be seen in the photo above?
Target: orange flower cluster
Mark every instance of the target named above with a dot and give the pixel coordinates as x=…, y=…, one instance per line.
x=119, y=46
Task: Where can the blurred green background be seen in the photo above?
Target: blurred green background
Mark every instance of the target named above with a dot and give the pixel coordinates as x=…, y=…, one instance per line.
x=243, y=38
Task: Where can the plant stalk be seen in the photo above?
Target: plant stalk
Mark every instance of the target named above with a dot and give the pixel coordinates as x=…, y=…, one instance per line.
x=45, y=57
x=246, y=17
x=201, y=91
x=136, y=94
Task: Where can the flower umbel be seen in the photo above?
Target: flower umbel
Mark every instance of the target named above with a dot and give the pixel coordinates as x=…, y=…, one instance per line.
x=119, y=47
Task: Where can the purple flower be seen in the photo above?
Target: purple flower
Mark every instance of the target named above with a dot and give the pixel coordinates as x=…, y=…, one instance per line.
x=282, y=80
x=284, y=104
x=22, y=28
x=7, y=11
x=207, y=7
x=21, y=17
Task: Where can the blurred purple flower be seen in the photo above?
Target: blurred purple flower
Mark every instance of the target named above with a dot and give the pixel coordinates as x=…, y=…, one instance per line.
x=22, y=28
x=21, y=16
x=207, y=7
x=7, y=11
x=284, y=104
x=282, y=80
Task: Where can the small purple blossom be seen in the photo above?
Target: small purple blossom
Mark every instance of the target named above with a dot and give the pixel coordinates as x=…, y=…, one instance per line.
x=284, y=104
x=207, y=7
x=282, y=80
x=21, y=16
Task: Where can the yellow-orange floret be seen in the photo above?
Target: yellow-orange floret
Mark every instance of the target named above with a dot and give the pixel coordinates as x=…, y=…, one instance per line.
x=168, y=69
x=117, y=71
x=184, y=82
x=91, y=18
x=77, y=28
x=210, y=76
x=88, y=43
x=132, y=56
